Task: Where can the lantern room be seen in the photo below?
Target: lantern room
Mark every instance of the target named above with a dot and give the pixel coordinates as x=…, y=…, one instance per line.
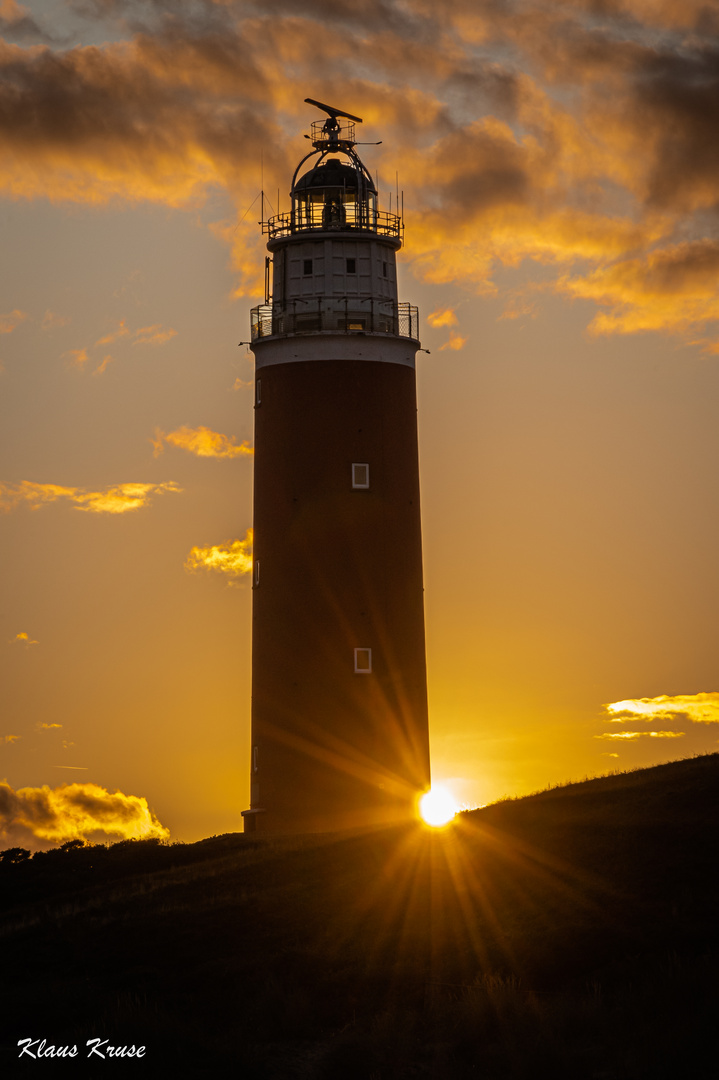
x=334, y=195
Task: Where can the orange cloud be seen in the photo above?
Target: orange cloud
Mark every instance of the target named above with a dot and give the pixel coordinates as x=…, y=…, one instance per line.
x=114, y=500
x=17, y=19
x=10, y=738
x=40, y=816
x=24, y=639
x=52, y=321
x=102, y=367
x=442, y=317
x=11, y=11
x=123, y=497
x=455, y=342
x=631, y=735
x=49, y=727
x=518, y=307
x=11, y=320
x=671, y=289
x=247, y=251
x=202, y=442
x=11, y=495
x=696, y=708
x=163, y=117
x=600, y=155
x=120, y=331
x=233, y=559
x=154, y=335
x=146, y=335
x=77, y=357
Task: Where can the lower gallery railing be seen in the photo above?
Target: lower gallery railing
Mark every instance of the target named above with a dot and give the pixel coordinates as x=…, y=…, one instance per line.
x=348, y=316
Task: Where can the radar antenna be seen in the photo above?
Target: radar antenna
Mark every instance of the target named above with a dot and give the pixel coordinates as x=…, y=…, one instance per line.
x=331, y=133
x=333, y=113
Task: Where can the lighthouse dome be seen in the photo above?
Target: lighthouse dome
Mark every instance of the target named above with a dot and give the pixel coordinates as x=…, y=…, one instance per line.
x=334, y=195
x=332, y=173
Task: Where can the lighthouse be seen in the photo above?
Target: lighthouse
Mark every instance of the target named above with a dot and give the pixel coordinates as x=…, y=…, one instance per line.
x=340, y=733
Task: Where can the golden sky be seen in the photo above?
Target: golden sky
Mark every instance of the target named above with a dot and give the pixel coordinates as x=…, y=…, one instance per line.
x=559, y=165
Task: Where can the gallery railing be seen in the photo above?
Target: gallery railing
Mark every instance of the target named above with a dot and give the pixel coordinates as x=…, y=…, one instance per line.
x=315, y=217
x=338, y=316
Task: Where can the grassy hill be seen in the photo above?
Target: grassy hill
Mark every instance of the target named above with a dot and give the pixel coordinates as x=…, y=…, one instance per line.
x=573, y=933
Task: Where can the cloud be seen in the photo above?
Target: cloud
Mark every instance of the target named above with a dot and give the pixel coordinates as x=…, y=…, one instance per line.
x=671, y=289
x=17, y=21
x=124, y=497
x=77, y=357
x=234, y=559
x=146, y=335
x=694, y=708
x=10, y=738
x=102, y=367
x=40, y=816
x=52, y=321
x=631, y=735
x=455, y=342
x=202, y=442
x=113, y=500
x=164, y=117
x=113, y=335
x=11, y=320
x=24, y=639
x=154, y=335
x=49, y=727
x=576, y=136
x=518, y=306
x=442, y=317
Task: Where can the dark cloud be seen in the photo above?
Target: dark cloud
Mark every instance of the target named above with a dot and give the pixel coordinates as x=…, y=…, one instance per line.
x=158, y=118
x=677, y=98
x=17, y=24
x=572, y=131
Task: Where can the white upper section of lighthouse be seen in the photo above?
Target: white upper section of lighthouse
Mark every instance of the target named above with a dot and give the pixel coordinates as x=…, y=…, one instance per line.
x=333, y=253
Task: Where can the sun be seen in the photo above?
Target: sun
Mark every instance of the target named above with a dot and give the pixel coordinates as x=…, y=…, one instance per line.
x=437, y=807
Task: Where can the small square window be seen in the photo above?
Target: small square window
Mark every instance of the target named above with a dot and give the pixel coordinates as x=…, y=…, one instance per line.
x=257, y=572
x=351, y=266
x=307, y=267
x=363, y=661
x=360, y=475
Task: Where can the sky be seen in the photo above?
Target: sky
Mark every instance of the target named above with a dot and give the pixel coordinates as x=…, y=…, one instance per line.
x=559, y=164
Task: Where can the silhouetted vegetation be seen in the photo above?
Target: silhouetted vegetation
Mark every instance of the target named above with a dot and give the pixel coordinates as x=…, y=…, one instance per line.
x=569, y=934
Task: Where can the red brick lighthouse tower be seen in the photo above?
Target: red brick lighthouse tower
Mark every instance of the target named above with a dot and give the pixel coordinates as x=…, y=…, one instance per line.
x=339, y=685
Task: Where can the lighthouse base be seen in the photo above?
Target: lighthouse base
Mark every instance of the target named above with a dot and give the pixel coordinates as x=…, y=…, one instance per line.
x=294, y=820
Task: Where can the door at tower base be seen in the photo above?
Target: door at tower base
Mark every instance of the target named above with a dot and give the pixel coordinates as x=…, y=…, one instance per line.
x=339, y=707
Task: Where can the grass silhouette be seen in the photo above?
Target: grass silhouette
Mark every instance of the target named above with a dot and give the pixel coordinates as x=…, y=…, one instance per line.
x=572, y=933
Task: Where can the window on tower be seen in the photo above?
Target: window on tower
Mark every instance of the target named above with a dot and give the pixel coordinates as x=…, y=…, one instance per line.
x=363, y=661
x=307, y=267
x=360, y=474
x=351, y=266
x=384, y=269
x=257, y=572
